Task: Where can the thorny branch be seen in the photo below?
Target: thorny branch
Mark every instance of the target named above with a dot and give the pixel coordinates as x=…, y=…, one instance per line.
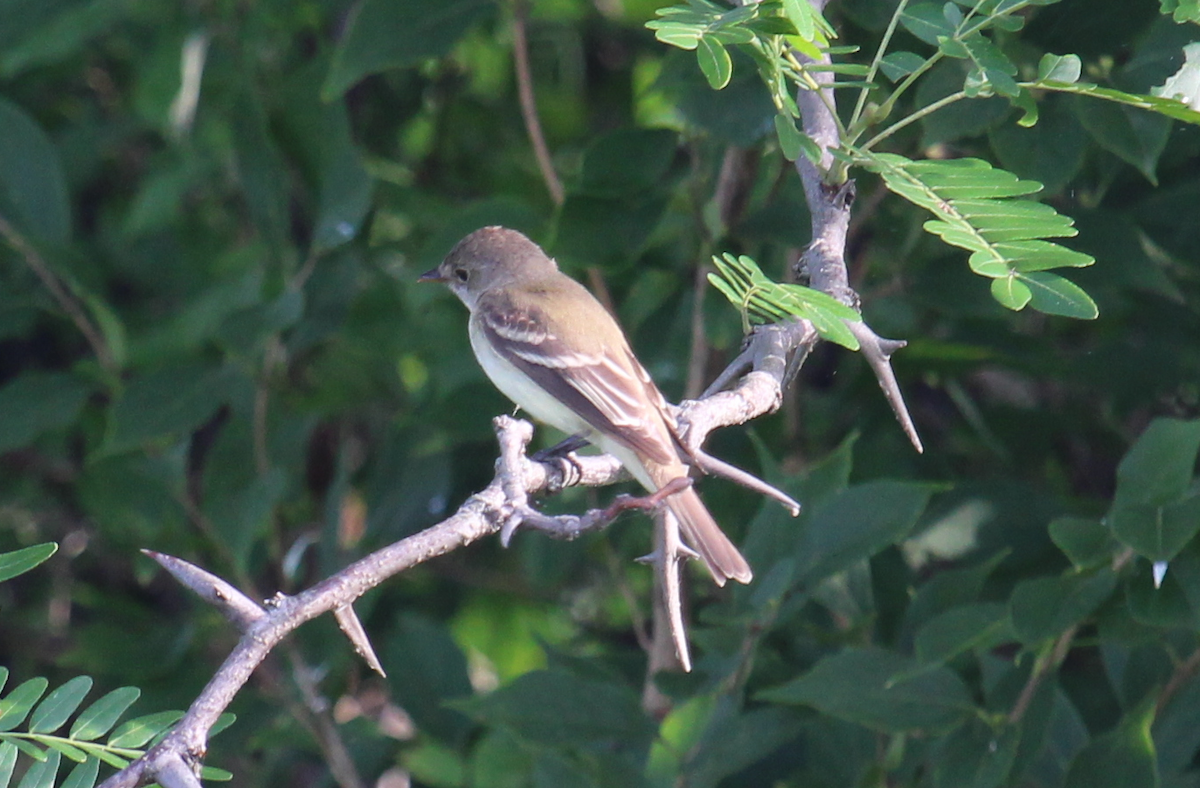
x=174, y=760
x=769, y=360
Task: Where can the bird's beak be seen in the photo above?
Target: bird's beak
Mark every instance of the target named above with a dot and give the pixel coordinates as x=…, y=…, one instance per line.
x=432, y=275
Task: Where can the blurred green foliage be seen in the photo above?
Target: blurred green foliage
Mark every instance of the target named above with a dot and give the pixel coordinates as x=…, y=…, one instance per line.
x=211, y=345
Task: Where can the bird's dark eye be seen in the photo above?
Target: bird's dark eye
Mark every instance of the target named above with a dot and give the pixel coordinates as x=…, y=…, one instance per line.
x=461, y=274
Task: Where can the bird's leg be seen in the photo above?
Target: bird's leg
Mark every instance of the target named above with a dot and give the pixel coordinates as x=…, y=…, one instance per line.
x=648, y=502
x=569, y=526
x=561, y=449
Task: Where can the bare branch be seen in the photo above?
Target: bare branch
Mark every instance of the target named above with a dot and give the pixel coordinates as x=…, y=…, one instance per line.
x=771, y=355
x=487, y=512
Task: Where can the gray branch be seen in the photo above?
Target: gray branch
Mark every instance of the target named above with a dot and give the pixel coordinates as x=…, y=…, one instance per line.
x=489, y=511
x=752, y=386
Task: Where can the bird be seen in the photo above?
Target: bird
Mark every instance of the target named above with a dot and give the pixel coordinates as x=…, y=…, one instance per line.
x=558, y=354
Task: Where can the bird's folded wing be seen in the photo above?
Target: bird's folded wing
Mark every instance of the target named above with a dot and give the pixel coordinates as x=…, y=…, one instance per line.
x=606, y=386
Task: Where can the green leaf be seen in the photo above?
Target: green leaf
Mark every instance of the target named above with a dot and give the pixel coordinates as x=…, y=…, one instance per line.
x=53, y=712
x=427, y=669
x=991, y=65
x=1059, y=68
x=42, y=773
x=810, y=25
x=950, y=589
x=609, y=232
x=1121, y=758
x=558, y=709
x=715, y=62
x=1054, y=295
x=98, y=718
x=31, y=749
x=1136, y=136
x=961, y=118
x=1156, y=532
x=136, y=732
x=676, y=33
x=386, y=34
x=1159, y=467
x=627, y=161
x=1043, y=607
x=244, y=329
x=66, y=33
x=8, y=761
x=968, y=199
x=1182, y=10
x=736, y=741
x=83, y=775
x=962, y=629
x=106, y=756
x=976, y=756
x=927, y=22
x=900, y=64
x=857, y=523
x=37, y=402
x=1011, y=292
x=171, y=400
x=761, y=300
x=1166, y=604
x=20, y=701
x=18, y=562
x=225, y=719
x=345, y=187
x=262, y=172
x=1050, y=152
x=33, y=189
x=789, y=137
x=1088, y=543
x=242, y=513
x=857, y=685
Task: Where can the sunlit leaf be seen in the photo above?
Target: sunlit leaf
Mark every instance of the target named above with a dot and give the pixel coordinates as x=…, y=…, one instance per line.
x=53, y=712
x=970, y=200
x=18, y=562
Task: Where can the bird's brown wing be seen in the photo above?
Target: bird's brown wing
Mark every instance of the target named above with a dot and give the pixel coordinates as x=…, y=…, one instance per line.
x=605, y=385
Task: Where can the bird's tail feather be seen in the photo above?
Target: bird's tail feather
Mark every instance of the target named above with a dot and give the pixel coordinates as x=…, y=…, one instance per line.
x=701, y=533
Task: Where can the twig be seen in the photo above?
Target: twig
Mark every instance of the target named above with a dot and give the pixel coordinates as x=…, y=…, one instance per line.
x=65, y=300
x=533, y=126
x=661, y=654
x=698, y=356
x=825, y=258
x=483, y=514
x=1045, y=665
x=1183, y=673
x=273, y=354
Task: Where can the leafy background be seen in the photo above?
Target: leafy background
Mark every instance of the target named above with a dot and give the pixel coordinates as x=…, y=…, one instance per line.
x=211, y=345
